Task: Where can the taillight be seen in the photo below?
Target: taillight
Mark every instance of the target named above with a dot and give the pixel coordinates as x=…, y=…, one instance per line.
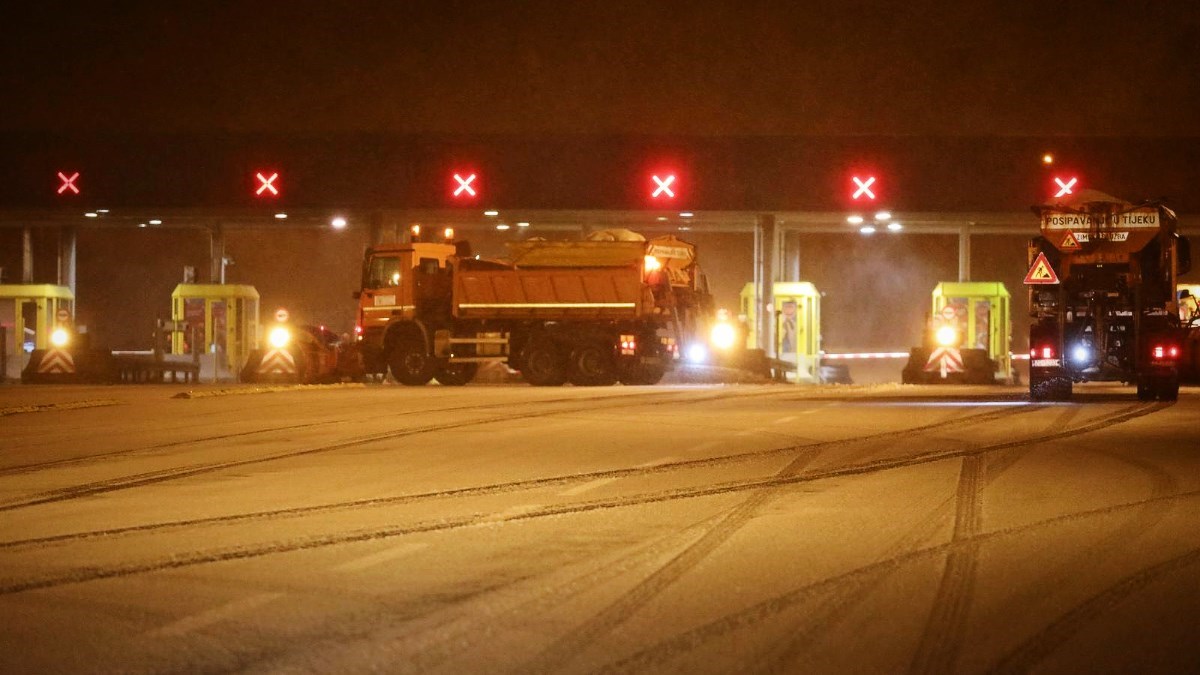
x=628, y=345
x=1161, y=352
x=1047, y=352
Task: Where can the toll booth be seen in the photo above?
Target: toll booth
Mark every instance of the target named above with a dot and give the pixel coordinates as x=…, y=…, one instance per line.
x=226, y=315
x=797, y=309
x=1188, y=303
x=29, y=313
x=980, y=311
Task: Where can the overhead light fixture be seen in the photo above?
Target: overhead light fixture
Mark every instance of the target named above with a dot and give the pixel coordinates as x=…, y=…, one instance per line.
x=491, y=213
x=883, y=215
x=141, y=224
x=280, y=216
x=1047, y=158
x=101, y=210
x=338, y=223
x=855, y=220
x=867, y=229
x=90, y=214
x=686, y=214
x=661, y=219
x=502, y=226
x=522, y=224
x=895, y=227
x=156, y=221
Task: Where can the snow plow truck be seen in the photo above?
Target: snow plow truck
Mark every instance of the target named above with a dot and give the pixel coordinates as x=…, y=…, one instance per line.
x=1102, y=296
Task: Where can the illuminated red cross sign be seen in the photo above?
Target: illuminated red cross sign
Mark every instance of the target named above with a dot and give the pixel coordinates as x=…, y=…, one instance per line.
x=464, y=185
x=1064, y=189
x=664, y=186
x=267, y=184
x=68, y=182
x=864, y=187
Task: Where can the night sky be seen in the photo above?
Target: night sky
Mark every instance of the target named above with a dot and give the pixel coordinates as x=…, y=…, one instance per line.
x=794, y=68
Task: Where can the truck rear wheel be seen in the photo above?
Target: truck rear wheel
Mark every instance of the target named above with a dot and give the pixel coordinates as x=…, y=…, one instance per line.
x=543, y=364
x=1043, y=388
x=1165, y=388
x=1170, y=389
x=411, y=364
x=591, y=365
x=456, y=374
x=642, y=374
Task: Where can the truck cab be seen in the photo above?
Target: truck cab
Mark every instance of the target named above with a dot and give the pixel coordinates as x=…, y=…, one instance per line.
x=400, y=282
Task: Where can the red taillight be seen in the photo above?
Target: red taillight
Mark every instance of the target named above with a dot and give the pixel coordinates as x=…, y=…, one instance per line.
x=358, y=330
x=1165, y=352
x=1047, y=352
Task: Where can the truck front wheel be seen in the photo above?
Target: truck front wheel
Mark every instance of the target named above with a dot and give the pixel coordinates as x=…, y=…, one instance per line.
x=411, y=364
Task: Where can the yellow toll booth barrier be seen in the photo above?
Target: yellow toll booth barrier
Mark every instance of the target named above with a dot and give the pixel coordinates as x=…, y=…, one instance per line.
x=797, y=307
x=967, y=337
x=29, y=313
x=980, y=311
x=226, y=315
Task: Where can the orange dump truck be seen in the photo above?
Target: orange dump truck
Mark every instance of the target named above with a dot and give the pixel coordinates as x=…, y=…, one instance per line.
x=589, y=312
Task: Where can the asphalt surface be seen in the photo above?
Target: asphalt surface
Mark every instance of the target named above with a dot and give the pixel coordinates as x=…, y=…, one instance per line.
x=765, y=528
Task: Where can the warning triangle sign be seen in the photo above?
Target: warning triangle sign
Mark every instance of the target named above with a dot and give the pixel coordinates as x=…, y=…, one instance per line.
x=1041, y=272
x=1070, y=242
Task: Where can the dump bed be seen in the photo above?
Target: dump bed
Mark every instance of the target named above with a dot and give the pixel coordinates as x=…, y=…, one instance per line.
x=676, y=256
x=601, y=293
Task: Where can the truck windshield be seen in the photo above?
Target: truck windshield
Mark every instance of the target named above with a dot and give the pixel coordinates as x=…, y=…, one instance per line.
x=384, y=271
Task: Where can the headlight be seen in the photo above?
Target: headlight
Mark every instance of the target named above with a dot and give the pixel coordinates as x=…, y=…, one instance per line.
x=279, y=337
x=723, y=336
x=946, y=336
x=696, y=353
x=60, y=337
x=1081, y=354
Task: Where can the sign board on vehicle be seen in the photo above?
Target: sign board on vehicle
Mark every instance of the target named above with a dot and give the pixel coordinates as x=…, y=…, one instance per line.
x=1137, y=219
x=672, y=252
x=1041, y=272
x=281, y=315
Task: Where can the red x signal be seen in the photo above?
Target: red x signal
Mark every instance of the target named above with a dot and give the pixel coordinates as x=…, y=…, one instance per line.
x=664, y=186
x=464, y=187
x=1065, y=188
x=68, y=182
x=863, y=188
x=267, y=184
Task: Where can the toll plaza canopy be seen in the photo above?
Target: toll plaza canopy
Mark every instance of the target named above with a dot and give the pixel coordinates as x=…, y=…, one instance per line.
x=366, y=171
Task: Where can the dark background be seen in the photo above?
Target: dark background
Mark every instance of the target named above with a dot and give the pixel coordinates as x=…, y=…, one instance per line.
x=763, y=105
